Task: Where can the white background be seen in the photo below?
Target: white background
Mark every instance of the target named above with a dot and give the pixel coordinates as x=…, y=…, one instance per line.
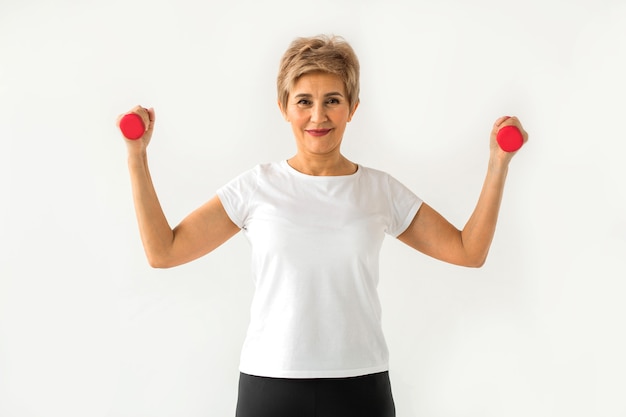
x=87, y=328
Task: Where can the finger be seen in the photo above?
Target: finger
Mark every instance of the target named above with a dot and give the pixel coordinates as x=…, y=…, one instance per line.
x=149, y=118
x=137, y=109
x=144, y=114
x=500, y=120
x=514, y=121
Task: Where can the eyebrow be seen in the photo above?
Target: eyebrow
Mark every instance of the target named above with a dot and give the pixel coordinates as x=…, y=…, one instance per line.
x=334, y=93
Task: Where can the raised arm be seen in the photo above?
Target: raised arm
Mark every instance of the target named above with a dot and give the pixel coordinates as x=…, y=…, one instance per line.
x=433, y=235
x=203, y=230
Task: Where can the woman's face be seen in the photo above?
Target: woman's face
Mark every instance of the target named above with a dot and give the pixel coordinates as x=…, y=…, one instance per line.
x=318, y=111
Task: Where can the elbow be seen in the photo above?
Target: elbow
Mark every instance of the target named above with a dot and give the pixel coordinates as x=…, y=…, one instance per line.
x=483, y=259
x=158, y=261
x=158, y=265
x=477, y=264
x=474, y=261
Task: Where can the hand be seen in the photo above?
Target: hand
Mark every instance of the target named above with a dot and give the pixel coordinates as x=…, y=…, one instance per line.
x=494, y=147
x=148, y=118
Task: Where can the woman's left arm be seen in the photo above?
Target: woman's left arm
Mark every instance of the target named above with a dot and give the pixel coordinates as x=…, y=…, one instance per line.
x=431, y=234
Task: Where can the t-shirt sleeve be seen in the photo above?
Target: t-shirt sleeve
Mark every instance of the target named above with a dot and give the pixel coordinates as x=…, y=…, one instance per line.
x=404, y=205
x=237, y=194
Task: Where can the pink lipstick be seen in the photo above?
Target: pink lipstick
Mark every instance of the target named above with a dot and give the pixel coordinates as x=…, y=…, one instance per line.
x=318, y=132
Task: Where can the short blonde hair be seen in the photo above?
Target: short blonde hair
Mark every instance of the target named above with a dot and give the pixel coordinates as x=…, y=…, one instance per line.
x=322, y=53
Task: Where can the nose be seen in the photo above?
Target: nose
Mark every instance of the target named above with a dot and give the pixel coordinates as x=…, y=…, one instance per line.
x=318, y=113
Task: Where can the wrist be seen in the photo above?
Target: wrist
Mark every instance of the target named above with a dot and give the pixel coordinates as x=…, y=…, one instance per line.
x=499, y=164
x=137, y=157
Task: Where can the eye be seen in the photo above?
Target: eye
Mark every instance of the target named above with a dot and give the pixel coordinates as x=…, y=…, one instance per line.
x=332, y=100
x=303, y=102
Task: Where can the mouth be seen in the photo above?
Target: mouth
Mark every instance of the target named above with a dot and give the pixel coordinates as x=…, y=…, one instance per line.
x=318, y=132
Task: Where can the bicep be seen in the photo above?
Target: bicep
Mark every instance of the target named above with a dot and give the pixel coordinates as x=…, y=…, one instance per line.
x=202, y=231
x=433, y=235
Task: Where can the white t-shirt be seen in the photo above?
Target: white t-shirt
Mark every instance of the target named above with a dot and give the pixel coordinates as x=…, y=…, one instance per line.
x=315, y=249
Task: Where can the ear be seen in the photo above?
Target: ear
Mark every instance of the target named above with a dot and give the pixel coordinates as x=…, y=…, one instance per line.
x=356, y=105
x=282, y=110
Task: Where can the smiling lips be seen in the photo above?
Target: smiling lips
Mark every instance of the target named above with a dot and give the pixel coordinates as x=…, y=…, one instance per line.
x=318, y=132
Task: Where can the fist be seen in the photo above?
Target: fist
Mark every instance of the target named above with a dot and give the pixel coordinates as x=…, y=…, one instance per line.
x=136, y=123
x=509, y=134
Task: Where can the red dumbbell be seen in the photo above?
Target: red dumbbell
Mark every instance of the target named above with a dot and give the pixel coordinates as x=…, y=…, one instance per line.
x=132, y=126
x=510, y=138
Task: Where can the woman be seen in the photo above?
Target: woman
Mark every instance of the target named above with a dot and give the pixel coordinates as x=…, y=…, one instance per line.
x=316, y=222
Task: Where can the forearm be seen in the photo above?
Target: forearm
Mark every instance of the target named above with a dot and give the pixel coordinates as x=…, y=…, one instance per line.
x=479, y=230
x=156, y=233
x=433, y=235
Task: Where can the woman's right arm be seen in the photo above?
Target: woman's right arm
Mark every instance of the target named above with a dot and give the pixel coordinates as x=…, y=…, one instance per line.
x=199, y=233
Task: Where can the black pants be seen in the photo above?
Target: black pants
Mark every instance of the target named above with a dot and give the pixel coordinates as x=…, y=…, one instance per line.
x=362, y=396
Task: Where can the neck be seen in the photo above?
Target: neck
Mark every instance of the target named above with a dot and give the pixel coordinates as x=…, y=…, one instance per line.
x=335, y=166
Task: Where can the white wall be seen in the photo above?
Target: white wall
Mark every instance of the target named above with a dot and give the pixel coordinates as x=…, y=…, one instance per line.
x=88, y=329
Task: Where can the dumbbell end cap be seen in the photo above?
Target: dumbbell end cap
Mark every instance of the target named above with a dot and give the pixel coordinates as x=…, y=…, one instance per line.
x=132, y=126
